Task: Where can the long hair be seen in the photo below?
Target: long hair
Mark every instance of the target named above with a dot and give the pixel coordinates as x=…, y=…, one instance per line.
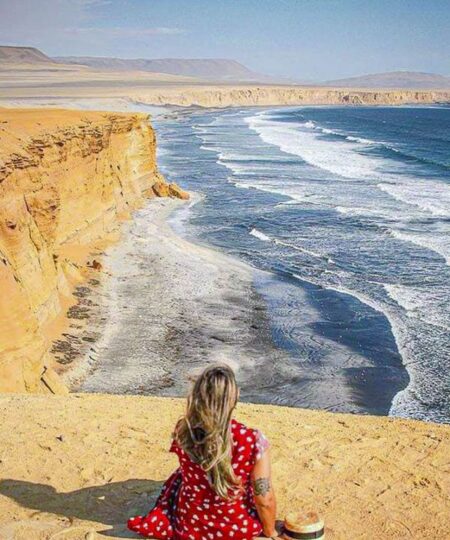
x=204, y=432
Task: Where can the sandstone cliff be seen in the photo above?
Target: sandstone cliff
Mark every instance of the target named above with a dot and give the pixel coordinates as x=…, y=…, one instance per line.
x=67, y=178
x=252, y=95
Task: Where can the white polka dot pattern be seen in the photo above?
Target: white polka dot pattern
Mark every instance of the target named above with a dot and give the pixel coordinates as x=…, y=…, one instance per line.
x=189, y=509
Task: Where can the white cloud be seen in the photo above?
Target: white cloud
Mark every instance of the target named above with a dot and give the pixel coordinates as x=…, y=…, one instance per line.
x=72, y=27
x=122, y=32
x=86, y=3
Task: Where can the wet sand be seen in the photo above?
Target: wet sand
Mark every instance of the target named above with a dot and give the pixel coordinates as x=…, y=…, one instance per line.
x=168, y=308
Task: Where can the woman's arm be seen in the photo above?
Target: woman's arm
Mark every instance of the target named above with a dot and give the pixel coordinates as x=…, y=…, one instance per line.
x=264, y=494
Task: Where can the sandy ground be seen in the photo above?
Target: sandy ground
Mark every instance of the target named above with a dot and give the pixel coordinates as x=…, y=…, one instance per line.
x=73, y=466
x=44, y=81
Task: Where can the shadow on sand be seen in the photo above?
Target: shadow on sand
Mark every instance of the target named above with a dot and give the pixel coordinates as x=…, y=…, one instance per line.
x=111, y=504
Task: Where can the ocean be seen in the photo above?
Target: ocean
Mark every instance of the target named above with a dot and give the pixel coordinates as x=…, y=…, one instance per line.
x=346, y=211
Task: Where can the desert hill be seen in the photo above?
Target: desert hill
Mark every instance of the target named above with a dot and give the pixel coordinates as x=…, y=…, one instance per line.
x=393, y=79
x=25, y=55
x=218, y=69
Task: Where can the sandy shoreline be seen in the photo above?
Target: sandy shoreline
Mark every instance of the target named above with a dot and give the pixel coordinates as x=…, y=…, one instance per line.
x=166, y=308
x=75, y=467
x=139, y=324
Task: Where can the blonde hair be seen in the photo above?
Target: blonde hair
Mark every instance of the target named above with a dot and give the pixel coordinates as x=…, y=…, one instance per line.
x=204, y=433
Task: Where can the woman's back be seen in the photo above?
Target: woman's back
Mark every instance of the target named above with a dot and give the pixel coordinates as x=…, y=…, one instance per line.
x=222, y=488
x=204, y=514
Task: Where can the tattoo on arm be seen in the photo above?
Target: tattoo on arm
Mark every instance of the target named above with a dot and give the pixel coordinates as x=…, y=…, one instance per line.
x=261, y=486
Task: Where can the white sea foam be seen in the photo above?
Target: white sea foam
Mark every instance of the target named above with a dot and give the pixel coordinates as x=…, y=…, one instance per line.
x=367, y=211
x=304, y=250
x=265, y=238
x=404, y=198
x=260, y=235
x=430, y=196
x=328, y=131
x=426, y=303
x=225, y=157
x=242, y=185
x=338, y=157
x=291, y=202
x=439, y=243
x=361, y=140
x=210, y=148
x=401, y=406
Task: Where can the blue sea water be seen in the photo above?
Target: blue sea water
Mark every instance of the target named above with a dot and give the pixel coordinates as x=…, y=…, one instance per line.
x=347, y=209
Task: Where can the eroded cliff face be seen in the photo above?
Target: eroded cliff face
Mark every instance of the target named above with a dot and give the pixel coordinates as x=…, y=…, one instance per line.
x=67, y=179
x=264, y=95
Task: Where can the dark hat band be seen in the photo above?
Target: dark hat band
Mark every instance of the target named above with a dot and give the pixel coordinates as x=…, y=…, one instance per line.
x=305, y=535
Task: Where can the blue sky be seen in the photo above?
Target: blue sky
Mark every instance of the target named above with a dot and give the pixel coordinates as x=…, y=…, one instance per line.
x=301, y=39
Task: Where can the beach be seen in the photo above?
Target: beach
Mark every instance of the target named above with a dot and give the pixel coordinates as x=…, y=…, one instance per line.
x=167, y=308
x=323, y=338
x=346, y=211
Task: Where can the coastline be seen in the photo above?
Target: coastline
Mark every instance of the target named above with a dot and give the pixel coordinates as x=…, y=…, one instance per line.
x=249, y=341
x=169, y=304
x=77, y=466
x=53, y=218
x=165, y=299
x=336, y=364
x=138, y=87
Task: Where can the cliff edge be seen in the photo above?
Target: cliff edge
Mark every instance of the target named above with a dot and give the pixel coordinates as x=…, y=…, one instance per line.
x=67, y=180
x=75, y=467
x=272, y=95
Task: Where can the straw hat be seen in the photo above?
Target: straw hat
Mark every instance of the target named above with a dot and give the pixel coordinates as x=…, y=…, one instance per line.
x=303, y=526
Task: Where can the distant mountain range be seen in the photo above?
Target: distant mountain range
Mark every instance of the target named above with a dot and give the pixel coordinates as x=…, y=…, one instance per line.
x=393, y=79
x=219, y=69
x=23, y=55
x=215, y=69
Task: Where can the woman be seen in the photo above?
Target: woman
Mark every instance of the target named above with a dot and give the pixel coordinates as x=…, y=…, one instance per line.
x=222, y=489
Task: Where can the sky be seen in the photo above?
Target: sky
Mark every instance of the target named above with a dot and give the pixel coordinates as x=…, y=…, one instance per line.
x=311, y=40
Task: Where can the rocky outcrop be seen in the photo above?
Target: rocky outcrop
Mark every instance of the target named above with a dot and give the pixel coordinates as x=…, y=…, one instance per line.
x=67, y=179
x=260, y=95
x=162, y=189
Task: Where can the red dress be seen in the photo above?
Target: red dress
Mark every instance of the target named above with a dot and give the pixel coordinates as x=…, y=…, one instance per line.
x=189, y=509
